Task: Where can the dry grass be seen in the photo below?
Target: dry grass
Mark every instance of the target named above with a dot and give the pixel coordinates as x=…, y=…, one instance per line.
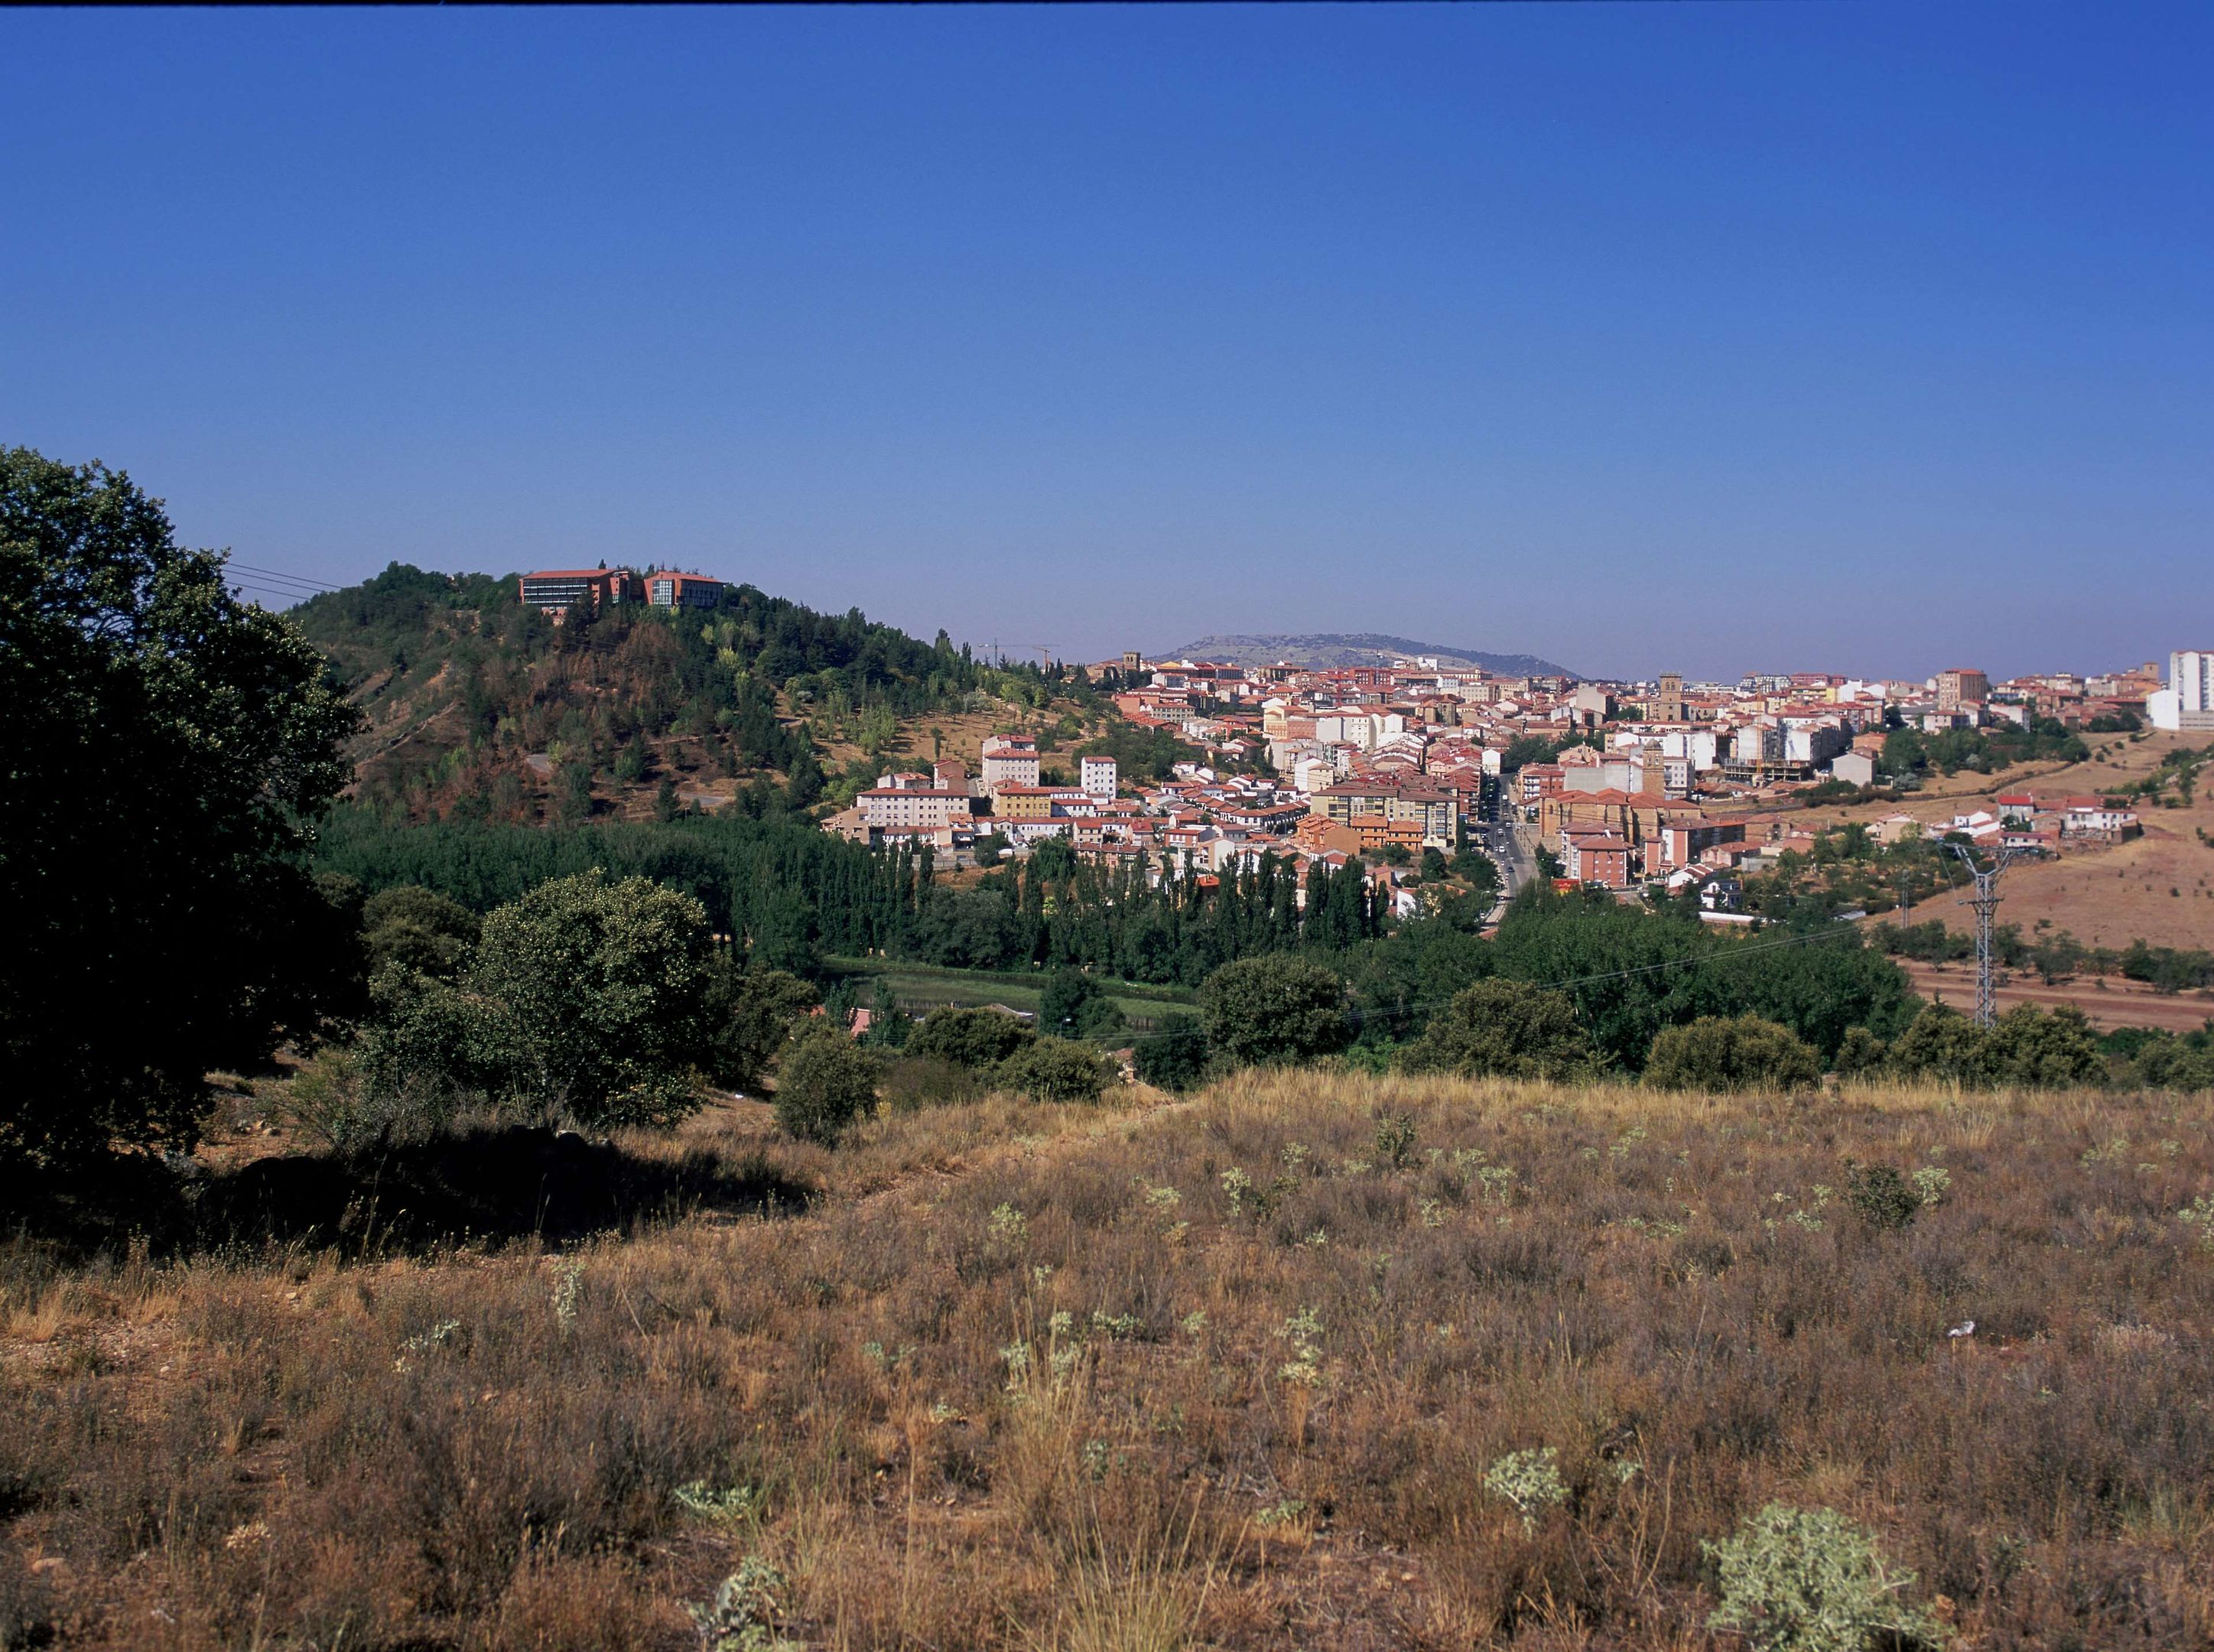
x=1028, y=1378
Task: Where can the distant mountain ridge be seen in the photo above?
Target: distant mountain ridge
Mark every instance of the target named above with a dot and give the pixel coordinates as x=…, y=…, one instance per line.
x=1331, y=649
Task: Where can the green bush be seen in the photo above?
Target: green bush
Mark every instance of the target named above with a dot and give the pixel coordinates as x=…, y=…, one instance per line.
x=1796, y=1580
x=418, y=929
x=1055, y=1069
x=1073, y=1006
x=2045, y=1050
x=591, y=1000
x=751, y=1012
x=332, y=1100
x=1861, y=1054
x=1740, y=1052
x=1506, y=1029
x=974, y=1038
x=1274, y=1009
x=1881, y=1196
x=825, y=1085
x=1942, y=1043
x=2037, y=1049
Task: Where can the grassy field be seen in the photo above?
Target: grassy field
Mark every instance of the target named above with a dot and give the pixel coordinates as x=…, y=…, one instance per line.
x=1225, y=1373
x=919, y=987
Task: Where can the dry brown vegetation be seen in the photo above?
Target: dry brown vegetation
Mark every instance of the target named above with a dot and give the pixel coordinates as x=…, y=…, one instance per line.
x=1304, y=1313
x=2158, y=888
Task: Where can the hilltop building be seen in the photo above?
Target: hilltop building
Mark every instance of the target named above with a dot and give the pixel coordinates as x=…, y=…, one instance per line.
x=666, y=588
x=556, y=590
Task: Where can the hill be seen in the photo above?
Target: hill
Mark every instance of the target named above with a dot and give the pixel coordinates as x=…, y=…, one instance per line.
x=477, y=707
x=1328, y=650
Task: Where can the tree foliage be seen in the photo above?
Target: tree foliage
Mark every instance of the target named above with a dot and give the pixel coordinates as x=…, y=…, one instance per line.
x=1055, y=1069
x=1722, y=1054
x=1173, y=1056
x=751, y=1012
x=1263, y=1011
x=593, y=1000
x=825, y=1083
x=1506, y=1029
x=168, y=747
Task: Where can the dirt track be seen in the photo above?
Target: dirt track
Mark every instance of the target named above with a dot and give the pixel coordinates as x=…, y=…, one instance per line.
x=2117, y=1003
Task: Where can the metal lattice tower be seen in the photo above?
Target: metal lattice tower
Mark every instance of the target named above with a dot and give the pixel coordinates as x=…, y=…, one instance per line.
x=1985, y=902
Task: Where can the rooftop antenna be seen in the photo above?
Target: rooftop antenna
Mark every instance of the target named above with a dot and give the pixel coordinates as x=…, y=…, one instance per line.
x=1984, y=902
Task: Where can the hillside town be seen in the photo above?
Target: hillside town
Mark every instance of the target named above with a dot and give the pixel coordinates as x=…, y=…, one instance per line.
x=1666, y=785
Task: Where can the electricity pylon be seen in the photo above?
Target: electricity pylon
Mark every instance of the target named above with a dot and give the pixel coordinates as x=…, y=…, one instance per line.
x=1983, y=904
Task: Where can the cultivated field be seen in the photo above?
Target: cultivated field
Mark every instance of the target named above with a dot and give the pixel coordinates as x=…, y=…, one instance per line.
x=1225, y=1372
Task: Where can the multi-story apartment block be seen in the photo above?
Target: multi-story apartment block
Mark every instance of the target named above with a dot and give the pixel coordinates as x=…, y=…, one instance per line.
x=909, y=806
x=1098, y=776
x=2188, y=702
x=1601, y=858
x=1009, y=760
x=1434, y=809
x=1961, y=686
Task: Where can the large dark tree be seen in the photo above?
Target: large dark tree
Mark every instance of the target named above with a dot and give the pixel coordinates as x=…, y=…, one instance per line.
x=166, y=746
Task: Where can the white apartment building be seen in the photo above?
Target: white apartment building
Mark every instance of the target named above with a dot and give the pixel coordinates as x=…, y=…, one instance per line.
x=2188, y=702
x=1098, y=778
x=904, y=806
x=1009, y=760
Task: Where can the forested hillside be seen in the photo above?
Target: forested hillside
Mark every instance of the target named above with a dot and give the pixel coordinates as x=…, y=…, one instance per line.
x=480, y=709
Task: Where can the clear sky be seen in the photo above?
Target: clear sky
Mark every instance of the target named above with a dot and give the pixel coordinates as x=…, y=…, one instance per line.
x=1862, y=337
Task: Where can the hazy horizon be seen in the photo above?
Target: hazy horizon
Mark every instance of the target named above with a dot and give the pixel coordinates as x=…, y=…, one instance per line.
x=1710, y=338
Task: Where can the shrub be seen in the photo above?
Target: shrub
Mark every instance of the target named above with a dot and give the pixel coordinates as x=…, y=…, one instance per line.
x=974, y=1038
x=1174, y=1057
x=1796, y=1579
x=418, y=929
x=1740, y=1052
x=593, y=1000
x=1055, y=1069
x=2045, y=1050
x=1881, y=1196
x=825, y=1083
x=1861, y=1054
x=332, y=1101
x=1507, y=1029
x=1942, y=1043
x=1530, y=1480
x=1072, y=1005
x=741, y=1618
x=1274, y=1009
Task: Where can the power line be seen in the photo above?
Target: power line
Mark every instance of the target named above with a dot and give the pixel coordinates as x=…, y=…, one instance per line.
x=279, y=573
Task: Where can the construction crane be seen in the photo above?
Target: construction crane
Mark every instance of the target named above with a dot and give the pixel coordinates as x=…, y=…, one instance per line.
x=1043, y=650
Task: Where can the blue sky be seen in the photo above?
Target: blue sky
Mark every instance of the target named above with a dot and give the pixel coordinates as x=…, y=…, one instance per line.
x=1872, y=338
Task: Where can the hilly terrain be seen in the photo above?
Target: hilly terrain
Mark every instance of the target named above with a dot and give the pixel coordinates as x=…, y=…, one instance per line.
x=1330, y=649
x=475, y=707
